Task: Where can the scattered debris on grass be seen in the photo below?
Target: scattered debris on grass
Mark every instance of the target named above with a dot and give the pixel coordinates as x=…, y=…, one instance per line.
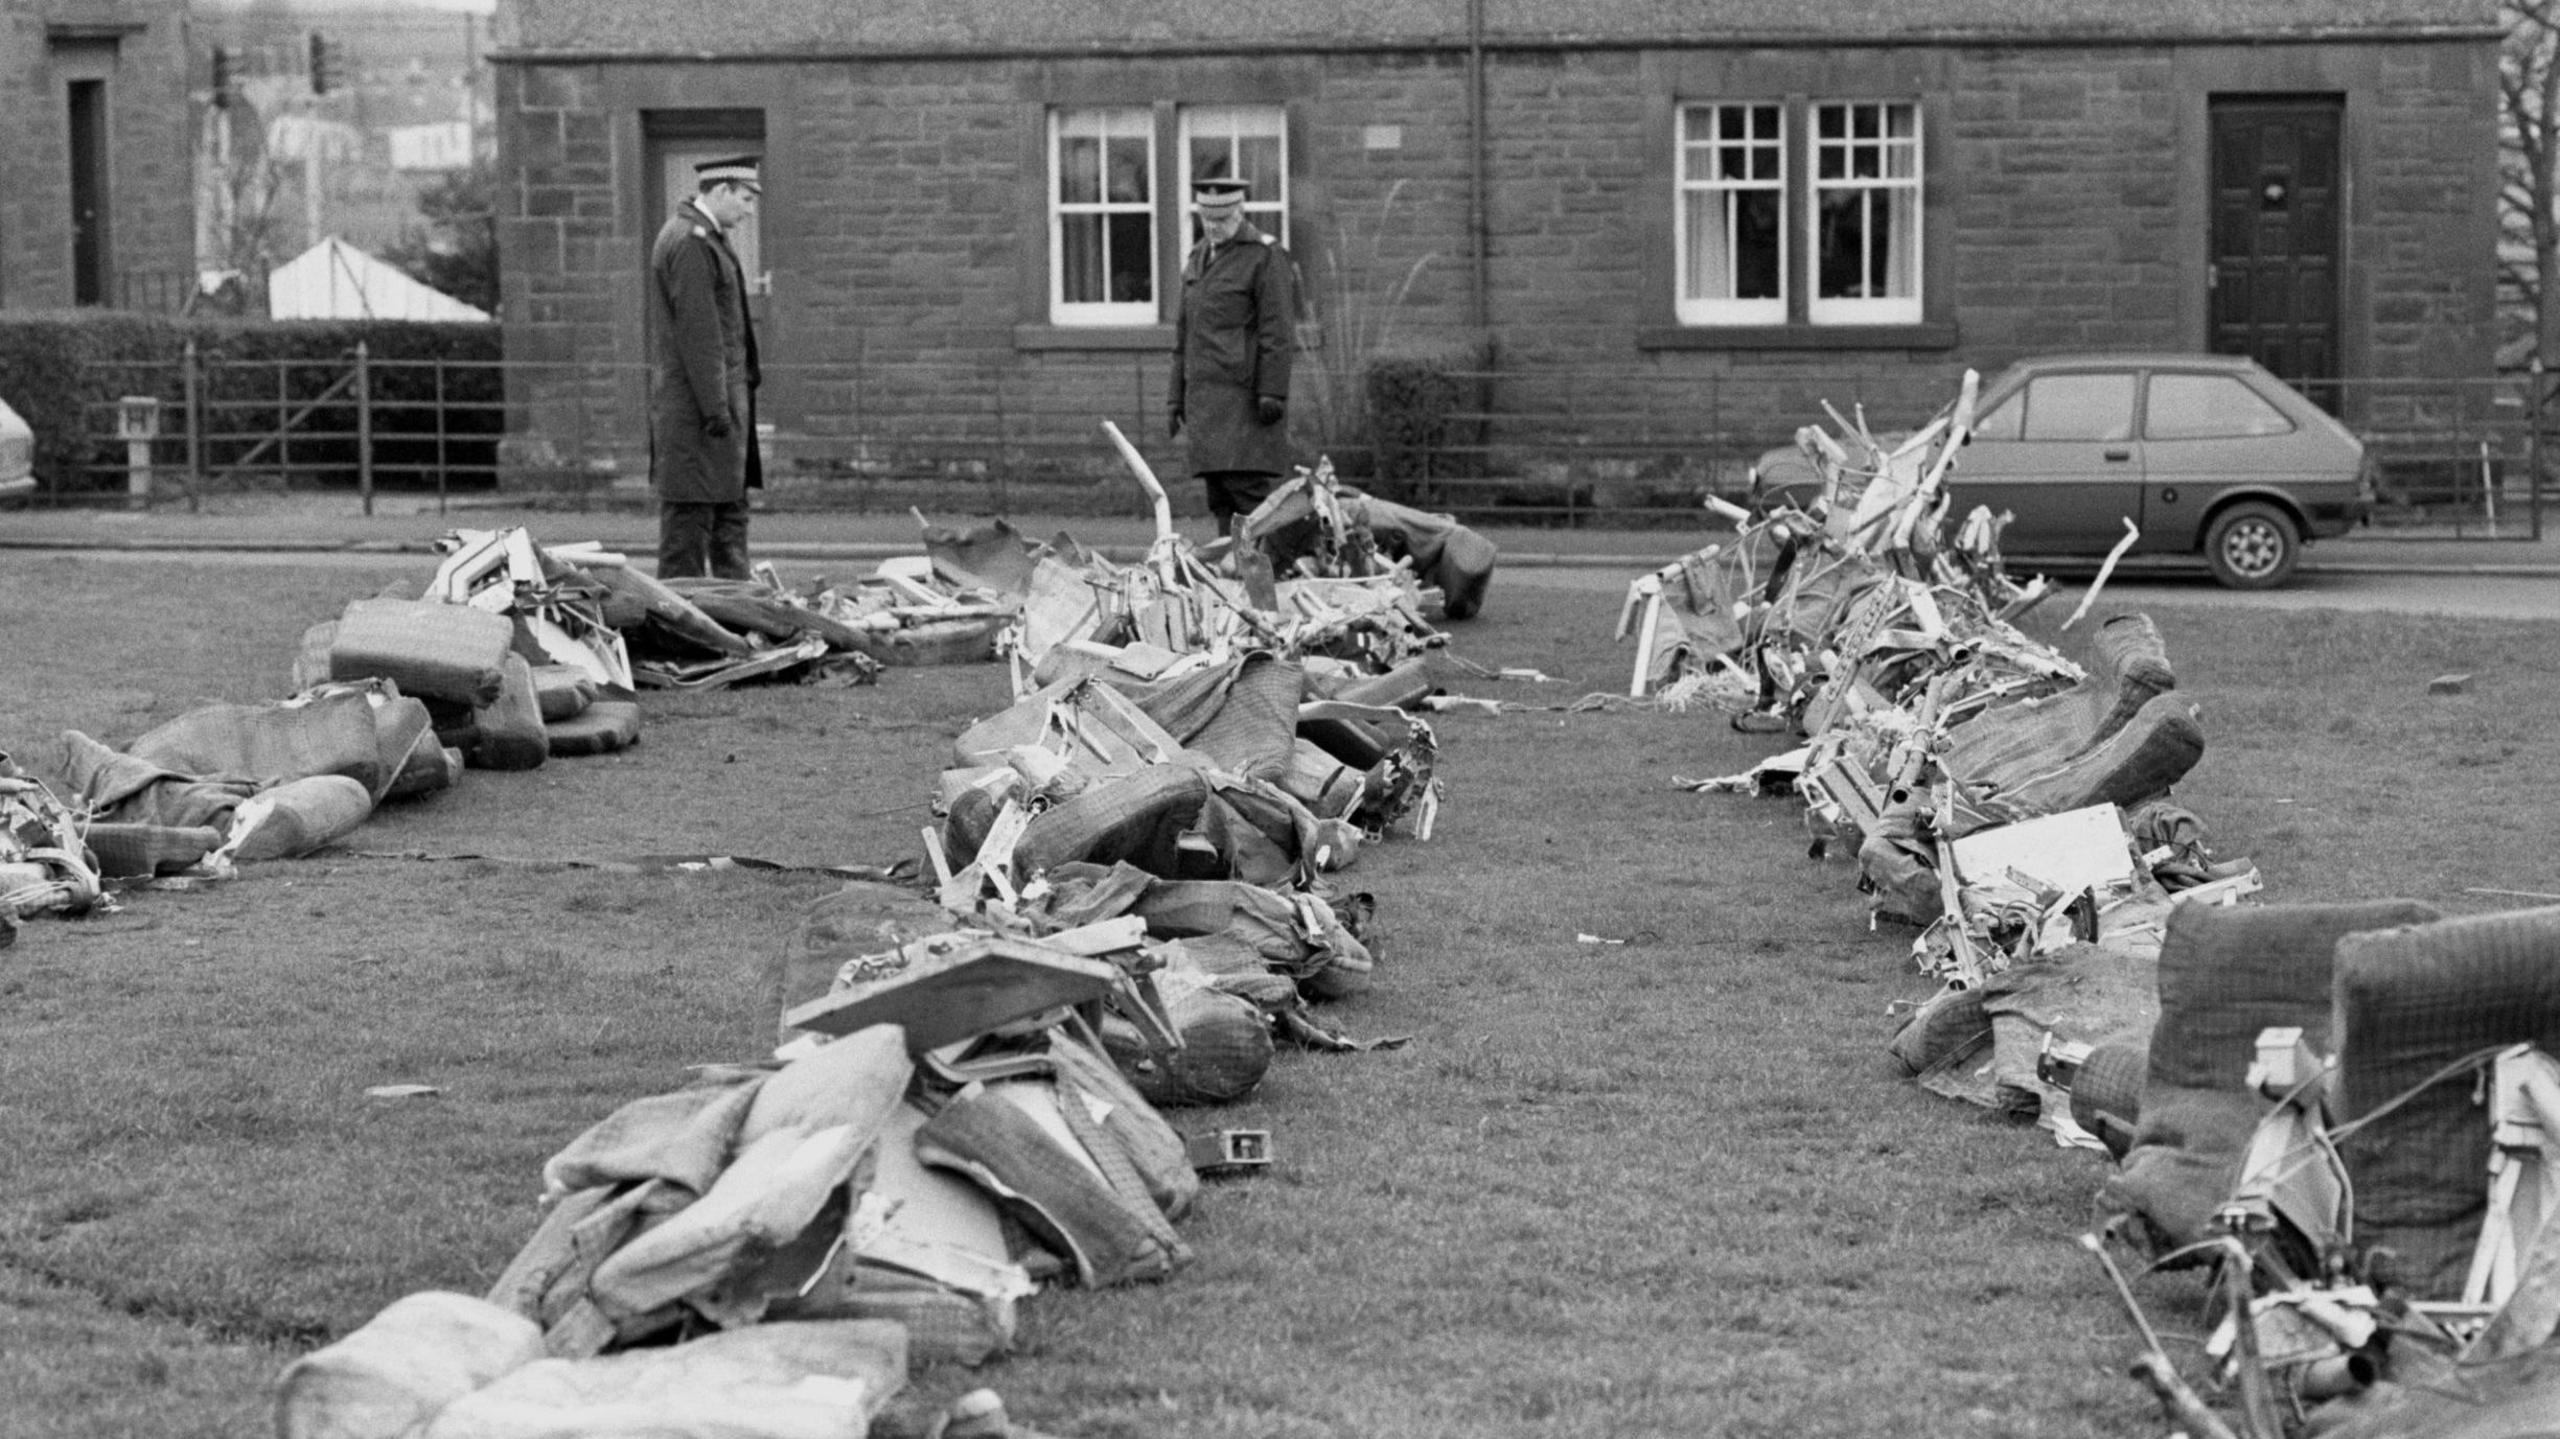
x=1129, y=900
x=2346, y=1116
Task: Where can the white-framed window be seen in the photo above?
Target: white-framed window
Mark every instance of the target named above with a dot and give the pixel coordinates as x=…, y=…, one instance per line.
x=1102, y=217
x=1115, y=238
x=1798, y=212
x=1731, y=218
x=1866, y=213
x=1247, y=141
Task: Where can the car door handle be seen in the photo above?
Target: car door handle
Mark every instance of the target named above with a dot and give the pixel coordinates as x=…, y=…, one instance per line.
x=2112, y=456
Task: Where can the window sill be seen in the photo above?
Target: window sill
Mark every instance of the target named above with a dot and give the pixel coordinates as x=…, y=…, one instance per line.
x=1928, y=335
x=1096, y=337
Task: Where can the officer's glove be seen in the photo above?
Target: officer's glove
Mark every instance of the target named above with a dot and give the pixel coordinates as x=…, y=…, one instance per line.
x=717, y=427
x=1272, y=408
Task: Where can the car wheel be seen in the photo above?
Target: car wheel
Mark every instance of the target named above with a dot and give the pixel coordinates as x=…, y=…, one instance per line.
x=2252, y=546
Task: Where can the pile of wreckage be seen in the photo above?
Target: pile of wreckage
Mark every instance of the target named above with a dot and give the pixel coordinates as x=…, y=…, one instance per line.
x=2347, y=1116
x=519, y=652
x=516, y=654
x=1131, y=906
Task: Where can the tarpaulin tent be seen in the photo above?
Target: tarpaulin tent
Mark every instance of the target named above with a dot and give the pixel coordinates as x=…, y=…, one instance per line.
x=334, y=280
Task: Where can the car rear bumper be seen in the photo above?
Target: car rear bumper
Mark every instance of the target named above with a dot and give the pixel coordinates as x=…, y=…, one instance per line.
x=2328, y=520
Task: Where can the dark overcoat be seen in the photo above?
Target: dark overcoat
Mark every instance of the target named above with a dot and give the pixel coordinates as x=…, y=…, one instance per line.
x=1233, y=339
x=702, y=352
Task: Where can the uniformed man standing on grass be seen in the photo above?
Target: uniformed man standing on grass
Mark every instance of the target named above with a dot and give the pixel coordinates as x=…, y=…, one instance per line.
x=1232, y=342
x=702, y=402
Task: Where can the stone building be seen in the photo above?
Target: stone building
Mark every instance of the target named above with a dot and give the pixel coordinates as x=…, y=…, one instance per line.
x=96, y=201
x=1645, y=222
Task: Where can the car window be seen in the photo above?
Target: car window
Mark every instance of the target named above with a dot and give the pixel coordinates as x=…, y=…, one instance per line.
x=2080, y=407
x=2001, y=422
x=2208, y=407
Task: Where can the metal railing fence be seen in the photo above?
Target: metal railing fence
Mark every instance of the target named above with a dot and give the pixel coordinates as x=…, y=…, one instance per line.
x=1600, y=448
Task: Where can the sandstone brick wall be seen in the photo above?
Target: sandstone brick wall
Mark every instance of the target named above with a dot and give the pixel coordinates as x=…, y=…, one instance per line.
x=150, y=176
x=904, y=231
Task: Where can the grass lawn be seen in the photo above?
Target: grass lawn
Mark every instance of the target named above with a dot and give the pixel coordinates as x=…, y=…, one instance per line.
x=1670, y=1187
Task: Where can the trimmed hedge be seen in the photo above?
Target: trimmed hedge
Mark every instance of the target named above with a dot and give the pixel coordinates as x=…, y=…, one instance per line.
x=60, y=370
x=1410, y=401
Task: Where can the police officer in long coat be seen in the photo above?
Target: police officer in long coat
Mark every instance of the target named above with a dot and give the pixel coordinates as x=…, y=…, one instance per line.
x=702, y=403
x=1233, y=339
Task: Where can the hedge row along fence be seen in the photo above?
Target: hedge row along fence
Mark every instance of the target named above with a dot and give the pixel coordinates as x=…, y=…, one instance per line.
x=65, y=372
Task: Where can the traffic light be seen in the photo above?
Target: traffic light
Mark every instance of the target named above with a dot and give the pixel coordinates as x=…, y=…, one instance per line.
x=222, y=63
x=321, y=77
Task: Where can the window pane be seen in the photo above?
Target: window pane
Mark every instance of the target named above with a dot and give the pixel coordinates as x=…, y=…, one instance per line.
x=1210, y=155
x=2080, y=407
x=1897, y=251
x=1081, y=260
x=1104, y=218
x=1732, y=204
x=1130, y=182
x=1866, y=212
x=1248, y=141
x=1258, y=160
x=1756, y=245
x=1841, y=247
x=2003, y=421
x=1735, y=256
x=1709, y=260
x=1079, y=169
x=2205, y=407
x=1131, y=262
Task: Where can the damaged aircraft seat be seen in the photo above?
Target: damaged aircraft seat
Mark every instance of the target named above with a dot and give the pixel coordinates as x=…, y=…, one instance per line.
x=1241, y=715
x=438, y=1366
x=116, y=788
x=1299, y=936
x=1174, y=822
x=432, y=650
x=601, y=728
x=2106, y=1091
x=2128, y=667
x=366, y=732
x=2411, y=1002
x=124, y=851
x=1445, y=553
x=1140, y=818
x=508, y=731
x=297, y=817
x=1226, y=1044
x=562, y=691
x=2225, y=974
x=2136, y=764
x=1089, y=1168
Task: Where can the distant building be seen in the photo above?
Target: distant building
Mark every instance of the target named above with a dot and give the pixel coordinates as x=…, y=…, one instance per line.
x=96, y=207
x=409, y=83
x=975, y=211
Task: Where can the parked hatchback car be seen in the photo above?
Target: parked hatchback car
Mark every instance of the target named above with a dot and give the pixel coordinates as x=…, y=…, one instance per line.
x=2208, y=455
x=17, y=454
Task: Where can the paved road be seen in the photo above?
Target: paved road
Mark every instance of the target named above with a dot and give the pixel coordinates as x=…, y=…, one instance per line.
x=2490, y=596
x=2484, y=595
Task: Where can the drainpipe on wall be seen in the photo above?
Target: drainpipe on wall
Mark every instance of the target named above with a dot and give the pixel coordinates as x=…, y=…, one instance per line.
x=1479, y=226
x=1477, y=221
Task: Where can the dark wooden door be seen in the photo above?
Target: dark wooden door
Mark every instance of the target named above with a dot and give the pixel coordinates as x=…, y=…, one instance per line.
x=91, y=245
x=2275, y=236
